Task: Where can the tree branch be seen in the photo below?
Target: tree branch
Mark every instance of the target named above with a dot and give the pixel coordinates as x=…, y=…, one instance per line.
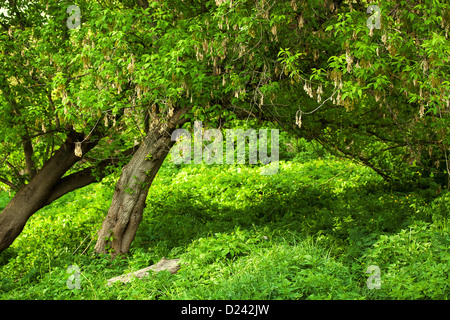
x=28, y=152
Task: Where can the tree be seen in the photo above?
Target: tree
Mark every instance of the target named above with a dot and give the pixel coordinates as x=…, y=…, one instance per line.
x=135, y=71
x=90, y=91
x=54, y=112
x=206, y=59
x=324, y=69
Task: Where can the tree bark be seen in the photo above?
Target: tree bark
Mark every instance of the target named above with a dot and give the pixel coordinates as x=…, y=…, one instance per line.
x=28, y=151
x=125, y=213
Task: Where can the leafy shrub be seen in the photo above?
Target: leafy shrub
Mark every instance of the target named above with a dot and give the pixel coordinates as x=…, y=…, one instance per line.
x=276, y=271
x=4, y=199
x=221, y=246
x=414, y=263
x=439, y=210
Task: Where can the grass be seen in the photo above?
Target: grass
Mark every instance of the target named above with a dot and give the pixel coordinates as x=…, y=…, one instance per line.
x=308, y=232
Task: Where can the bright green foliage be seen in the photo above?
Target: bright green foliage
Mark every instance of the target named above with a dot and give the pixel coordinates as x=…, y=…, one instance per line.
x=388, y=88
x=379, y=97
x=415, y=262
x=275, y=268
x=308, y=232
x=49, y=88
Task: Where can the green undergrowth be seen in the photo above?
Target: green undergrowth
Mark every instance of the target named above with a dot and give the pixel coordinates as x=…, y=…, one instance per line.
x=308, y=232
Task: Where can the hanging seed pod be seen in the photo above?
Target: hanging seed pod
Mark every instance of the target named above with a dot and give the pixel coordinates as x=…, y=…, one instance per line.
x=78, y=151
x=298, y=118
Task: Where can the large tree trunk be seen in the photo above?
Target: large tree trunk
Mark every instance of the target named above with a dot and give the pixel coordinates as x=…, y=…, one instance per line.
x=125, y=213
x=35, y=195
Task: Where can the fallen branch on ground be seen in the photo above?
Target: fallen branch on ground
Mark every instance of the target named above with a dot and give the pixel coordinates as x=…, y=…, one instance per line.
x=170, y=265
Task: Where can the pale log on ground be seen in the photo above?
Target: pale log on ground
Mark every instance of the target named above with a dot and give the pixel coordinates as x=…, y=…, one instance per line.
x=165, y=264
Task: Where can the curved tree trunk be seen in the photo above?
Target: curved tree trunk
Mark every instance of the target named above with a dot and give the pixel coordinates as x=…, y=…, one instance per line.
x=49, y=184
x=35, y=195
x=125, y=213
